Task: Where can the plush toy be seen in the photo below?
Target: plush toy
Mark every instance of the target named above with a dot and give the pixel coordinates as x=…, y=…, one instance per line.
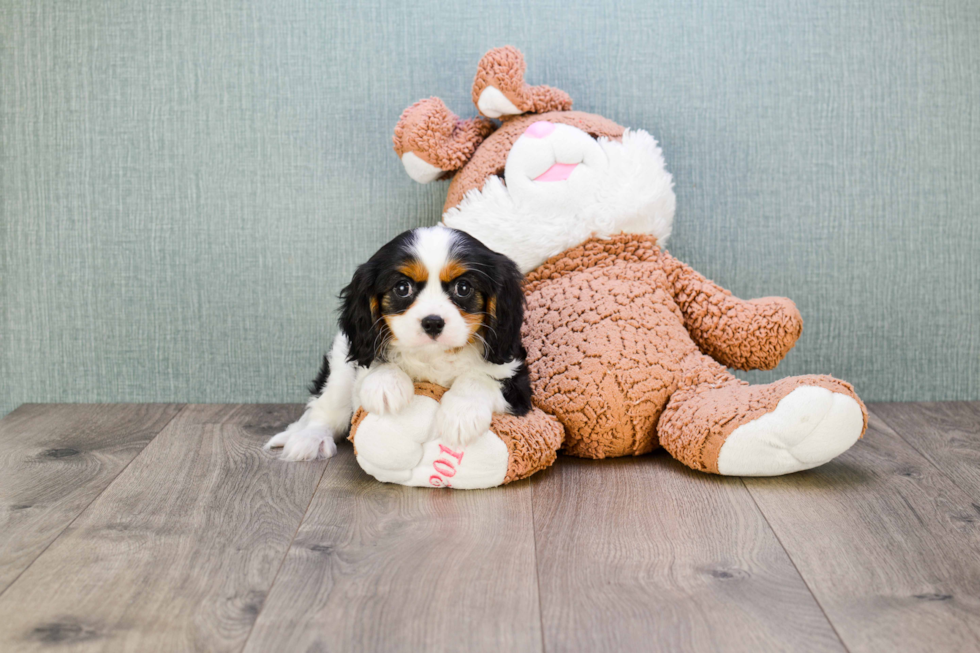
x=627, y=346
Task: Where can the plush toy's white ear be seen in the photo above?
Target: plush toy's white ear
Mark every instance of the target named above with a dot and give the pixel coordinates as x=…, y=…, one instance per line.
x=433, y=142
x=494, y=104
x=499, y=90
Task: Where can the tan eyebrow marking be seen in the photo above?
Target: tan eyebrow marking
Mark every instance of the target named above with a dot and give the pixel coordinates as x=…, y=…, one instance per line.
x=451, y=270
x=415, y=271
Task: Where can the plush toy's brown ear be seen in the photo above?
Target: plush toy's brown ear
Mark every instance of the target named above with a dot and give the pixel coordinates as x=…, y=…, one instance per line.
x=433, y=142
x=499, y=89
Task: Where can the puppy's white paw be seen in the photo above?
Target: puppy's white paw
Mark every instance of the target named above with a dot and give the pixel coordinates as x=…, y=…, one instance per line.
x=279, y=439
x=386, y=390
x=462, y=419
x=310, y=443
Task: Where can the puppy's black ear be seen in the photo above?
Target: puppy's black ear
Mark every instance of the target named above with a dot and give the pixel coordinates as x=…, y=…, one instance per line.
x=505, y=313
x=360, y=315
x=517, y=389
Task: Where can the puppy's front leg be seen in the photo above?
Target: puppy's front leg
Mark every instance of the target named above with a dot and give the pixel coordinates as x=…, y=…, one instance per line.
x=467, y=408
x=385, y=389
x=327, y=416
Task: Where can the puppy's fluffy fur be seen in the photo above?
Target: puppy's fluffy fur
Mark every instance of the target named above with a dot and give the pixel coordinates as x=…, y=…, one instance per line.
x=434, y=304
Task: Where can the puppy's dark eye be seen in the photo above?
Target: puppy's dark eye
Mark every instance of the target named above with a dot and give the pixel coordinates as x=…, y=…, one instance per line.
x=403, y=288
x=462, y=289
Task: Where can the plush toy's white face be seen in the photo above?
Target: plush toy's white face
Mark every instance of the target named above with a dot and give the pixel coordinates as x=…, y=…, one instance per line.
x=562, y=187
x=548, y=153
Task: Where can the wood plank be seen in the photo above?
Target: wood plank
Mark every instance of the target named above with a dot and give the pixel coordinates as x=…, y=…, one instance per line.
x=645, y=554
x=889, y=546
x=947, y=434
x=179, y=552
x=54, y=460
x=379, y=567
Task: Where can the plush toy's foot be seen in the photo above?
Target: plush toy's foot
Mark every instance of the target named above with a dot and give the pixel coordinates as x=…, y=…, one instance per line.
x=766, y=430
x=809, y=427
x=404, y=448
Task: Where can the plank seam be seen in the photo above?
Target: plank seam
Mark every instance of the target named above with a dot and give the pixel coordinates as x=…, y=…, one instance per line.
x=537, y=571
x=922, y=453
x=285, y=555
x=795, y=568
x=57, y=537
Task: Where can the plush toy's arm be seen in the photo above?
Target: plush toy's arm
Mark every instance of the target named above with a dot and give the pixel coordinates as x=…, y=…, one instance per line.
x=745, y=335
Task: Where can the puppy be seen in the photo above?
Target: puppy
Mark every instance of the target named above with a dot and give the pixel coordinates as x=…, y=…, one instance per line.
x=434, y=304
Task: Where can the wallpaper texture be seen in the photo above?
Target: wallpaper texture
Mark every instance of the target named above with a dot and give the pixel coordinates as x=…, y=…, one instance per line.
x=187, y=184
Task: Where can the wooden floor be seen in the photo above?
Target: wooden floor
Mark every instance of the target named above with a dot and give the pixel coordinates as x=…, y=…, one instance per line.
x=166, y=527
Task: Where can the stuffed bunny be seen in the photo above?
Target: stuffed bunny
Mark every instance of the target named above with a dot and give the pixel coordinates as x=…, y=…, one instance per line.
x=628, y=348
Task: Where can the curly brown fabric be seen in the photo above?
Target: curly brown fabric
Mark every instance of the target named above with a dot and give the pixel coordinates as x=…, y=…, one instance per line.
x=617, y=330
x=606, y=345
x=437, y=136
x=503, y=68
x=746, y=335
x=532, y=442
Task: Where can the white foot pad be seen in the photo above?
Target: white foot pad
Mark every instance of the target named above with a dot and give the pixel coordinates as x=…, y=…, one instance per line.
x=403, y=449
x=810, y=426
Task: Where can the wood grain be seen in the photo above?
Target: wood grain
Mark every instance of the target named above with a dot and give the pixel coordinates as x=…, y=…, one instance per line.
x=947, y=434
x=645, y=554
x=194, y=545
x=888, y=545
x=54, y=460
x=380, y=567
x=179, y=552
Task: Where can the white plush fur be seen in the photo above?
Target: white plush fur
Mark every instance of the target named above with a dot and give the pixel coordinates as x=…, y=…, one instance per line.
x=386, y=388
x=809, y=427
x=616, y=188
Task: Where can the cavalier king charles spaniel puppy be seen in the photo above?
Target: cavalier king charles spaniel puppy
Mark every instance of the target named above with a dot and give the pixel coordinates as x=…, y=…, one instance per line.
x=434, y=304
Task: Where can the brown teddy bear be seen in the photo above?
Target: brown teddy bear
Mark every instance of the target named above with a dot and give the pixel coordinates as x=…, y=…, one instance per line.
x=627, y=346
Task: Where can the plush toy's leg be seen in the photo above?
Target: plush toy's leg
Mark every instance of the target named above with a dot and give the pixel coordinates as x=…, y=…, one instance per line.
x=736, y=429
x=532, y=442
x=405, y=449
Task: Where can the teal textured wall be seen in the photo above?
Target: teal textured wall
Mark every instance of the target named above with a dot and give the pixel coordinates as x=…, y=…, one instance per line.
x=186, y=184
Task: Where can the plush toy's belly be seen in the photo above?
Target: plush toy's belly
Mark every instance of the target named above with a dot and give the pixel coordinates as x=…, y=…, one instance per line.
x=605, y=349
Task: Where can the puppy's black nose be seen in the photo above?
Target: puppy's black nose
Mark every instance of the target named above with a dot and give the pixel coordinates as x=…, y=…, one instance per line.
x=432, y=325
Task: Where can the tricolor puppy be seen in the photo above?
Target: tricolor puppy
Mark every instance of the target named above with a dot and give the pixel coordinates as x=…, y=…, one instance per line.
x=436, y=305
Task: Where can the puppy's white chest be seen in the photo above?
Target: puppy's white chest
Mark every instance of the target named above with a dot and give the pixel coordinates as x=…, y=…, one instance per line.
x=439, y=367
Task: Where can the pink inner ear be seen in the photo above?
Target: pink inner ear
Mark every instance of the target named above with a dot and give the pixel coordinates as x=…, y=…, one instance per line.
x=539, y=129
